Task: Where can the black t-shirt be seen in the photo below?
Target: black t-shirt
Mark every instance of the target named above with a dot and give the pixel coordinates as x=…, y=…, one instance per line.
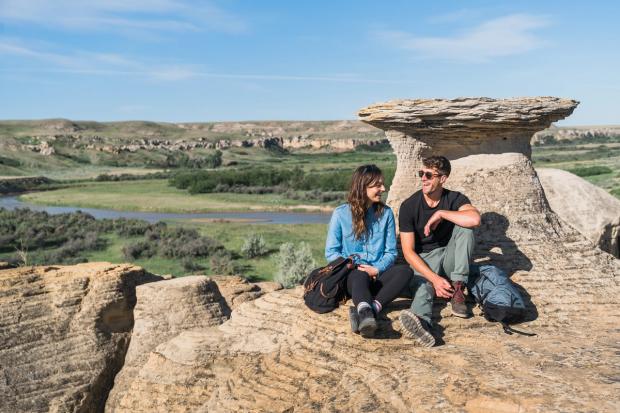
x=415, y=213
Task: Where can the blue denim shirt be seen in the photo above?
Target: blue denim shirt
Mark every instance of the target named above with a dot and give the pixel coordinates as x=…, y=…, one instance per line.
x=377, y=248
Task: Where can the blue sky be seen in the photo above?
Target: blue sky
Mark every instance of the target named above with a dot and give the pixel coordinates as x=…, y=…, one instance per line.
x=180, y=60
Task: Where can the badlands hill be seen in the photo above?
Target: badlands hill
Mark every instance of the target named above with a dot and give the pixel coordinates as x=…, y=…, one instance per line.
x=345, y=134
x=101, y=337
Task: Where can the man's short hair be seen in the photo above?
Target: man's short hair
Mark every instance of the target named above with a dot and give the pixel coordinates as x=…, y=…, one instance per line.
x=440, y=163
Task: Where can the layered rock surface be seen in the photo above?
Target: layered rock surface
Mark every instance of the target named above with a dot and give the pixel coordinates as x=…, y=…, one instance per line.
x=64, y=332
x=590, y=209
x=164, y=311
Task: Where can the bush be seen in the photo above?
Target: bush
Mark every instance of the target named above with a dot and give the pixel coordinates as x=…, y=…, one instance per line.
x=221, y=263
x=591, y=170
x=378, y=147
x=316, y=195
x=141, y=249
x=254, y=246
x=293, y=263
x=189, y=265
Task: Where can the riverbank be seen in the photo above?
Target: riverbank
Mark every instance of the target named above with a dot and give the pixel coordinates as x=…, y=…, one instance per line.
x=155, y=195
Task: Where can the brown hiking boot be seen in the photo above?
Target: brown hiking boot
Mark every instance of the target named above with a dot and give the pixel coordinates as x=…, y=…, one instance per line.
x=457, y=302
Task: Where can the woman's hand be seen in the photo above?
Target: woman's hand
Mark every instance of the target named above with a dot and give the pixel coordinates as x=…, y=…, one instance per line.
x=369, y=269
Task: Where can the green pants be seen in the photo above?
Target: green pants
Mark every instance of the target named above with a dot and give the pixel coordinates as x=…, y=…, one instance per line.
x=451, y=261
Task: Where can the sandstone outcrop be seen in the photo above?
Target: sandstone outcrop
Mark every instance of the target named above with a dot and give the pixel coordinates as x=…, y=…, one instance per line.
x=590, y=209
x=165, y=310
x=274, y=355
x=64, y=332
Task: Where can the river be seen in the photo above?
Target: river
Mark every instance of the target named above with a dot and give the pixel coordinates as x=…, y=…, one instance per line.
x=12, y=202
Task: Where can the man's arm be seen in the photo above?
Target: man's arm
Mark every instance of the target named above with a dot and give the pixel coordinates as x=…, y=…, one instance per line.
x=467, y=217
x=441, y=285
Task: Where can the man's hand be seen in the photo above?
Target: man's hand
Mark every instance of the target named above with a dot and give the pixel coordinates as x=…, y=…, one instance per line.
x=432, y=223
x=369, y=269
x=442, y=287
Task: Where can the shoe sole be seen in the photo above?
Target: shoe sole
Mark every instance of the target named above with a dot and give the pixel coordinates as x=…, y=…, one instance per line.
x=412, y=328
x=462, y=315
x=368, y=327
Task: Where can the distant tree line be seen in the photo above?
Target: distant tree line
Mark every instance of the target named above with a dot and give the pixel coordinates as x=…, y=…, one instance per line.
x=265, y=180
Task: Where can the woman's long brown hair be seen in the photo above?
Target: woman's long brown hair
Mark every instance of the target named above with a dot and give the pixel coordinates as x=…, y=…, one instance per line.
x=363, y=177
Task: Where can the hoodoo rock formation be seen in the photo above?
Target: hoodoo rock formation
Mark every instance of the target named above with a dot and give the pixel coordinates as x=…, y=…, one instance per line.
x=274, y=355
x=457, y=128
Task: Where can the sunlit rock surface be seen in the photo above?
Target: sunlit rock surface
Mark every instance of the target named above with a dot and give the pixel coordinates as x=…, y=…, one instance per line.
x=590, y=209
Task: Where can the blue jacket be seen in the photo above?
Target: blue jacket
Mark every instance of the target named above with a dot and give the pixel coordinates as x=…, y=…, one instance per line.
x=378, y=248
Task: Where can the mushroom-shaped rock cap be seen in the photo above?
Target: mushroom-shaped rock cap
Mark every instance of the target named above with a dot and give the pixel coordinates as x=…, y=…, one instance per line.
x=467, y=115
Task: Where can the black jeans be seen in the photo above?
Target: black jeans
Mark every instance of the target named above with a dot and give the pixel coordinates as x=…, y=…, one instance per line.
x=387, y=286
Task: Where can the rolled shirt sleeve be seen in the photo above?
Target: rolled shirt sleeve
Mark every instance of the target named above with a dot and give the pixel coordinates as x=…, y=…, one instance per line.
x=333, y=243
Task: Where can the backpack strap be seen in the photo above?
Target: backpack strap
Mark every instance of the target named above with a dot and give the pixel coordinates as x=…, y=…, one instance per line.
x=509, y=330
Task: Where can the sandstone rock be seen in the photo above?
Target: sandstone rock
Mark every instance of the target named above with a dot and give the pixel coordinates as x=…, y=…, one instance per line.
x=590, y=209
x=164, y=310
x=46, y=149
x=237, y=290
x=63, y=334
x=274, y=355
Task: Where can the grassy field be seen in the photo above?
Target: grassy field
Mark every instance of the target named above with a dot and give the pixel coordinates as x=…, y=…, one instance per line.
x=158, y=196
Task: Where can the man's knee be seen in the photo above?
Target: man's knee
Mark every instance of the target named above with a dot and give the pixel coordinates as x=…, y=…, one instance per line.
x=463, y=232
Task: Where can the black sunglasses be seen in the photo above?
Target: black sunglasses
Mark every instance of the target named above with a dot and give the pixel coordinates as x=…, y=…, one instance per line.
x=428, y=175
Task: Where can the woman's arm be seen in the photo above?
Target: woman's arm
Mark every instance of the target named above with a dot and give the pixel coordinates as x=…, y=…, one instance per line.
x=333, y=243
x=390, y=252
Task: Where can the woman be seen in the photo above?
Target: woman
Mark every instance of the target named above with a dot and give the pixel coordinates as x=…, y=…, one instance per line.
x=365, y=226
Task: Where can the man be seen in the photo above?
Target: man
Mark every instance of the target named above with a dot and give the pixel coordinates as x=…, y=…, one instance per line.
x=437, y=241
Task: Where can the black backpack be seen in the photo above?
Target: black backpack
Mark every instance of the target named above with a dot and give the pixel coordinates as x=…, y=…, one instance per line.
x=326, y=287
x=499, y=297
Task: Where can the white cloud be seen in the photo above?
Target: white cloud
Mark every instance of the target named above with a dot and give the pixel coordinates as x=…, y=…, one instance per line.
x=504, y=36
x=114, y=15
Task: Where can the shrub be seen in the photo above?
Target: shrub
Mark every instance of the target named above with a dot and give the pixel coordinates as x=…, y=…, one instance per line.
x=254, y=246
x=293, y=263
x=378, y=147
x=141, y=249
x=591, y=170
x=189, y=265
x=221, y=263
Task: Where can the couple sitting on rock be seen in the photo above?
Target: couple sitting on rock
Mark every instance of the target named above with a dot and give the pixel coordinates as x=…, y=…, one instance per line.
x=437, y=242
